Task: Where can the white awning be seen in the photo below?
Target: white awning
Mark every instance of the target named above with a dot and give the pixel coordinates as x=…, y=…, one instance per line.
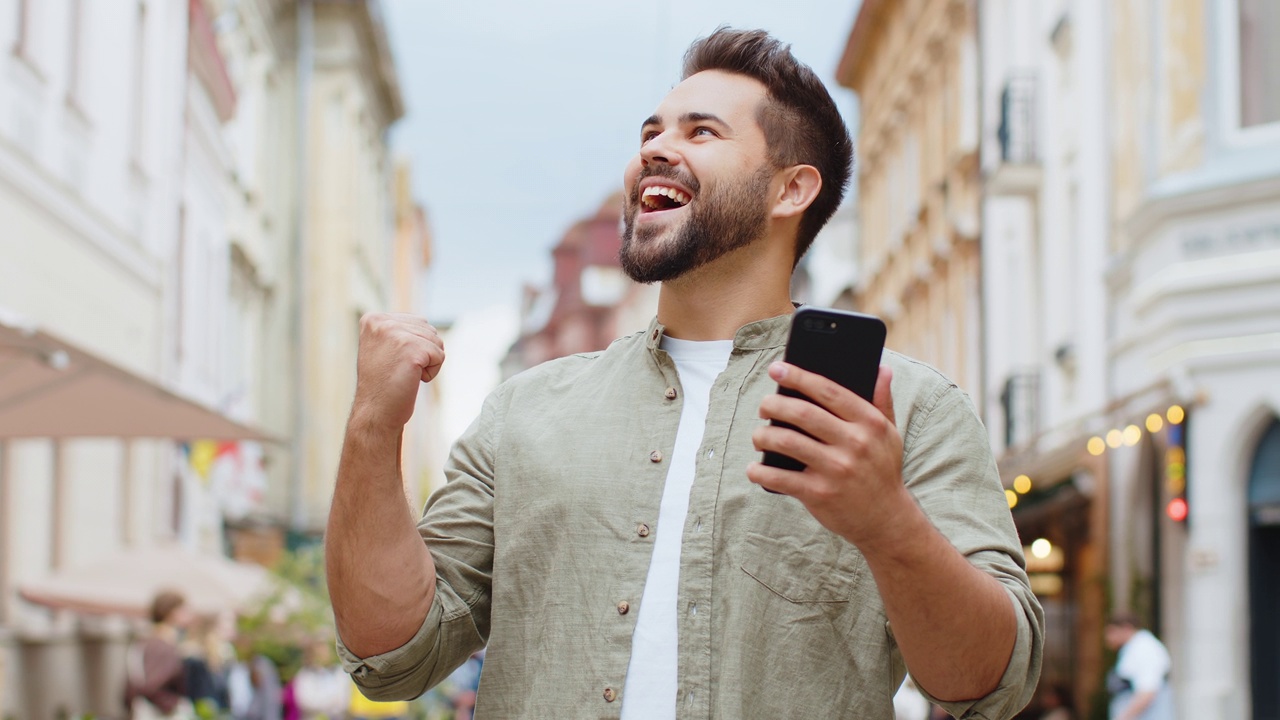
x=52, y=389
x=124, y=583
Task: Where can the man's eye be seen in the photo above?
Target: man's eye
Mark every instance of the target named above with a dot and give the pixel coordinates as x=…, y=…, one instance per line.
x=648, y=135
x=703, y=131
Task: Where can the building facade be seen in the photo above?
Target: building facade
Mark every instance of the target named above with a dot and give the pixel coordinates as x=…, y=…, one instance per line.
x=590, y=302
x=1194, y=281
x=1132, y=159
x=914, y=65
x=1044, y=254
x=199, y=194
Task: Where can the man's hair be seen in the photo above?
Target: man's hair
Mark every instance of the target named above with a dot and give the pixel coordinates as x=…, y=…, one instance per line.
x=164, y=604
x=800, y=121
x=1124, y=619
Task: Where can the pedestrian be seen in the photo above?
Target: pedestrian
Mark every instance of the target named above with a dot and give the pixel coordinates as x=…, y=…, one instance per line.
x=605, y=527
x=155, y=686
x=320, y=689
x=1139, y=682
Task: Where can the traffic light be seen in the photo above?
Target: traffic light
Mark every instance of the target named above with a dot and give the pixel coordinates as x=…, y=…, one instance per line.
x=1175, y=466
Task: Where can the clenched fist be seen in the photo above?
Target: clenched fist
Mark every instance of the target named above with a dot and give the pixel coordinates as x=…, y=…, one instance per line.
x=397, y=352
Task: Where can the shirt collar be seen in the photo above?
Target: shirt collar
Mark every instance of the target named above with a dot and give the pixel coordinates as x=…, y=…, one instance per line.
x=759, y=335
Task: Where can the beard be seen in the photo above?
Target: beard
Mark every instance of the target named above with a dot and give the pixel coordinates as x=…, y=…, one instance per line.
x=729, y=216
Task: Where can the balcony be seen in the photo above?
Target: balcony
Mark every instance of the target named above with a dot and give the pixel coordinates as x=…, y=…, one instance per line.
x=1019, y=170
x=1021, y=402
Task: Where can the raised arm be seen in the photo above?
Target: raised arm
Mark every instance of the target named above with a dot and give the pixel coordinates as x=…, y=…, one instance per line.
x=381, y=576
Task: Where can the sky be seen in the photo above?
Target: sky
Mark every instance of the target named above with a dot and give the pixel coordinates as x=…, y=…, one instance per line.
x=522, y=114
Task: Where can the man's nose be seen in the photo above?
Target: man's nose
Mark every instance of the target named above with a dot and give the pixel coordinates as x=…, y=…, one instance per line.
x=659, y=149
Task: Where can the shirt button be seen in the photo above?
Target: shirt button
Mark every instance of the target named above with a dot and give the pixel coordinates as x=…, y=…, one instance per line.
x=655, y=456
x=671, y=393
x=642, y=530
x=624, y=607
x=610, y=695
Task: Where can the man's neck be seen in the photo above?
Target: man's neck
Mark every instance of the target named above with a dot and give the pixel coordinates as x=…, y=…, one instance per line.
x=714, y=301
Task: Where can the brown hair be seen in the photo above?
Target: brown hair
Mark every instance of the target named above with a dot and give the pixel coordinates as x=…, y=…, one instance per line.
x=800, y=121
x=164, y=604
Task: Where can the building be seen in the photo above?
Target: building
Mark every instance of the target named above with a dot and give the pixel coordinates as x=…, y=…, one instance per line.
x=424, y=450
x=1129, y=158
x=351, y=96
x=590, y=302
x=193, y=227
x=1046, y=224
x=112, y=167
x=914, y=66
x=314, y=229
x=1193, y=277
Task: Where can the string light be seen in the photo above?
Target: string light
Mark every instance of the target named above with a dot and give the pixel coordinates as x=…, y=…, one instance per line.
x=1097, y=446
x=1041, y=548
x=1022, y=484
x=1012, y=497
x=1154, y=423
x=1115, y=439
x=1132, y=435
x=1176, y=414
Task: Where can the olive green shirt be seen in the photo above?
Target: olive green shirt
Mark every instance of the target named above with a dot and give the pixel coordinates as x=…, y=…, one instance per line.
x=543, y=533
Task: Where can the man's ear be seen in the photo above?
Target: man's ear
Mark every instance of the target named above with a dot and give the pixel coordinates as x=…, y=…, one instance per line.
x=800, y=186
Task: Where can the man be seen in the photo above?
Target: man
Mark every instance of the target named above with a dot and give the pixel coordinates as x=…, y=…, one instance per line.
x=1139, y=683
x=605, y=527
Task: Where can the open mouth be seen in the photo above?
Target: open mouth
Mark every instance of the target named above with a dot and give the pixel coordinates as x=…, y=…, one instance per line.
x=656, y=198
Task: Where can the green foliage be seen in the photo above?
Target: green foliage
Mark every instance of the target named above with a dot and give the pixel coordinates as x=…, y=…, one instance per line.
x=295, y=615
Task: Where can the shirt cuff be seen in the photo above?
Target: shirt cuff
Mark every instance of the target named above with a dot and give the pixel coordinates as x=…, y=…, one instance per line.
x=402, y=673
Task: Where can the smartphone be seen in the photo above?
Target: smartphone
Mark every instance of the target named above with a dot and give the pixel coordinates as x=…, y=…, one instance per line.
x=837, y=344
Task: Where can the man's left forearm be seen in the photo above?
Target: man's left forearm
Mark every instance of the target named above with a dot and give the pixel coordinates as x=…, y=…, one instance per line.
x=955, y=625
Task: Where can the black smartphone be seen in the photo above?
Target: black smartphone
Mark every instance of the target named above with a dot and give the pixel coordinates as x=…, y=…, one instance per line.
x=837, y=344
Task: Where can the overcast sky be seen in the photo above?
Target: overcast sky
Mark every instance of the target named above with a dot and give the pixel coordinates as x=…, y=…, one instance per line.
x=522, y=114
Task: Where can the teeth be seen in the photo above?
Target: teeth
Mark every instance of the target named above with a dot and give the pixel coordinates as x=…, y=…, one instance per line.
x=669, y=192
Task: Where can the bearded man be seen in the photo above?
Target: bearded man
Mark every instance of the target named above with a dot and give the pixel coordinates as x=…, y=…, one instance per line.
x=604, y=530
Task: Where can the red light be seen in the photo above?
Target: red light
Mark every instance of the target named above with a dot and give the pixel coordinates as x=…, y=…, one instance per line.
x=1177, y=509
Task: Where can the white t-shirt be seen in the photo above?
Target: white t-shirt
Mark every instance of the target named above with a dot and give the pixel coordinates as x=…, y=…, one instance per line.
x=651, y=685
x=1144, y=662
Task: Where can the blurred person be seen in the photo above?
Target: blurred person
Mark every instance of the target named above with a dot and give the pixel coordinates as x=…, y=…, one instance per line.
x=208, y=655
x=320, y=689
x=155, y=685
x=254, y=691
x=1139, y=682
x=602, y=529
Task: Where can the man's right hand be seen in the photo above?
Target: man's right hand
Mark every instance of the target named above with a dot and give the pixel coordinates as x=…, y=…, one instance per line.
x=397, y=352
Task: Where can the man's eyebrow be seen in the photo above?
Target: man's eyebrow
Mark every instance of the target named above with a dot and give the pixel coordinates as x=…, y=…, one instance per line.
x=697, y=117
x=651, y=120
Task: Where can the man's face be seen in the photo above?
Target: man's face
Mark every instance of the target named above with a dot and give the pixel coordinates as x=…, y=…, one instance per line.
x=699, y=187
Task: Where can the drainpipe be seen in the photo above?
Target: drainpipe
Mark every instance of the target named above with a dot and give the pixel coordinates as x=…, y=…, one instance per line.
x=301, y=286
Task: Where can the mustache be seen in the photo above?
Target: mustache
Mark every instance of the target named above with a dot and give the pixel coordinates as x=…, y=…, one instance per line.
x=664, y=171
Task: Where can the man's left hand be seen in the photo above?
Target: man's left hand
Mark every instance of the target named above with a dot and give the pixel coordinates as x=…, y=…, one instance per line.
x=852, y=482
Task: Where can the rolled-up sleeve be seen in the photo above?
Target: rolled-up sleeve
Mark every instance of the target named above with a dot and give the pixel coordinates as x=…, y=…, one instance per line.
x=949, y=467
x=457, y=527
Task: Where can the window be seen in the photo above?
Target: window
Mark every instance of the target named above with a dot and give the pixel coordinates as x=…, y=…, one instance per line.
x=1259, y=58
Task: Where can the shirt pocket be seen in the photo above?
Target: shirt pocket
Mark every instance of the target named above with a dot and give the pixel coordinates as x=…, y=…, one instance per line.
x=803, y=562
